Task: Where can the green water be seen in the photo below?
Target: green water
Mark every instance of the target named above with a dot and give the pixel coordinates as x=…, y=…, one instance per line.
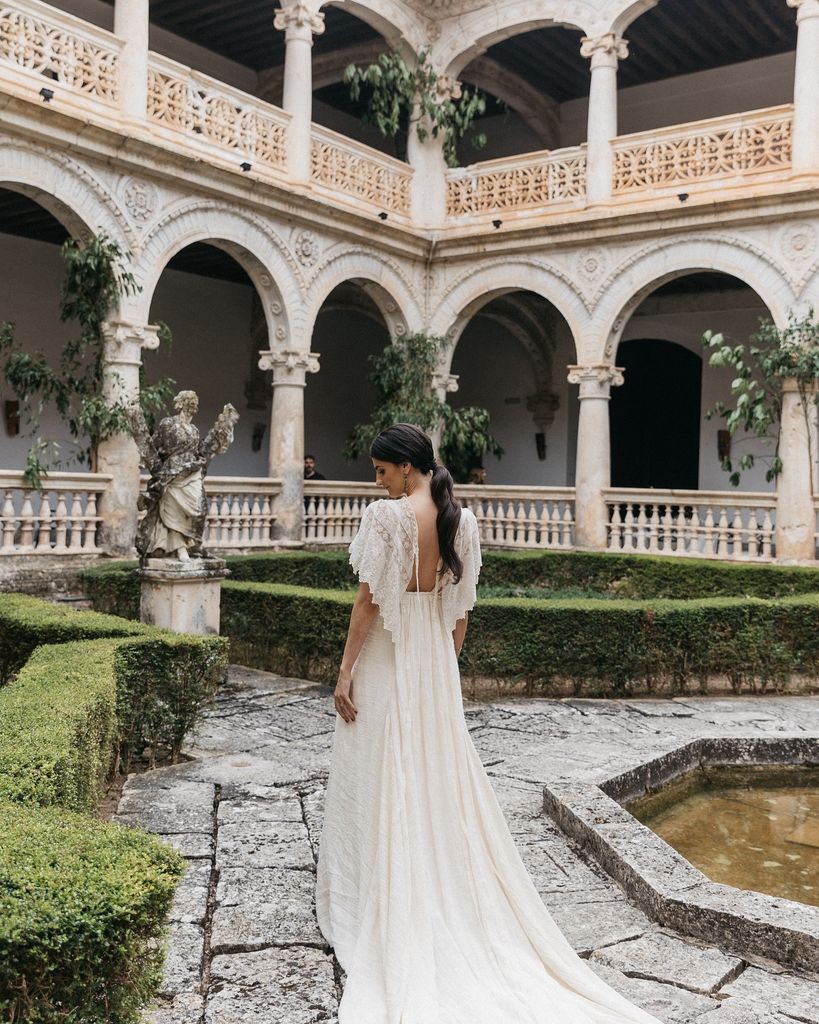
x=751, y=828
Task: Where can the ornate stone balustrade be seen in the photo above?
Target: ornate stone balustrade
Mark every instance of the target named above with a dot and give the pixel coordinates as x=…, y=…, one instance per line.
x=53, y=49
x=702, y=524
x=241, y=512
x=205, y=109
x=522, y=517
x=61, y=519
x=509, y=517
x=720, y=148
x=520, y=183
x=340, y=165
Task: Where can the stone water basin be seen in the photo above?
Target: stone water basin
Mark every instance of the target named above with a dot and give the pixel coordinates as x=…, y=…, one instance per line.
x=753, y=827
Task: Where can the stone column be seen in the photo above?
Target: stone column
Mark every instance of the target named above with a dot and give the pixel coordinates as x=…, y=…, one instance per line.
x=428, y=187
x=300, y=24
x=286, y=462
x=806, y=88
x=131, y=23
x=593, y=472
x=795, y=515
x=118, y=456
x=443, y=384
x=605, y=51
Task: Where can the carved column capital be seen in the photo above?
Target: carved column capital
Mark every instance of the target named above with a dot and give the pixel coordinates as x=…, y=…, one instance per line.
x=298, y=21
x=805, y=9
x=597, y=380
x=604, y=50
x=289, y=366
x=124, y=340
x=445, y=383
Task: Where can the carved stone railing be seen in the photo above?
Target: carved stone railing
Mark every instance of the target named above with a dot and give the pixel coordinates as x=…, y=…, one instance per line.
x=525, y=182
x=62, y=519
x=340, y=165
x=241, y=512
x=522, y=517
x=701, y=524
x=333, y=509
x=509, y=517
x=719, y=148
x=57, y=51
x=216, y=114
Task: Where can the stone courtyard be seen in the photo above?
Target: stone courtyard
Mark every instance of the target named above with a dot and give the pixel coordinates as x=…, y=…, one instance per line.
x=246, y=810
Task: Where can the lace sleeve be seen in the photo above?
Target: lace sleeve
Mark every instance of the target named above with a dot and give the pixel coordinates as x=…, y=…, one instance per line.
x=459, y=598
x=381, y=555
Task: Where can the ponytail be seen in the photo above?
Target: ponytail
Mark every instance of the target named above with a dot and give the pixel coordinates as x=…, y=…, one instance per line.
x=404, y=442
x=449, y=516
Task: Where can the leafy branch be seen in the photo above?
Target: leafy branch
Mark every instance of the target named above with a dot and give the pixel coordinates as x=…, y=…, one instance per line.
x=760, y=370
x=401, y=97
x=402, y=378
x=96, y=279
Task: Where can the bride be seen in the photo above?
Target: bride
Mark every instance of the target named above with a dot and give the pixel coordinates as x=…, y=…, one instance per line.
x=421, y=890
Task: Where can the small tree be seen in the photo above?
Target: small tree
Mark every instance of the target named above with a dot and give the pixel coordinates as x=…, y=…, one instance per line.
x=760, y=369
x=401, y=97
x=403, y=381
x=96, y=279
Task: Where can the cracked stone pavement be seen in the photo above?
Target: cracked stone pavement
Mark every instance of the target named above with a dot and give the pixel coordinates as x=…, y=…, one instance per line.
x=246, y=812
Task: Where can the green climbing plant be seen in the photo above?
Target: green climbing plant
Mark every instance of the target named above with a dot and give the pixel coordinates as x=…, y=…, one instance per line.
x=96, y=278
x=760, y=368
x=402, y=378
x=402, y=97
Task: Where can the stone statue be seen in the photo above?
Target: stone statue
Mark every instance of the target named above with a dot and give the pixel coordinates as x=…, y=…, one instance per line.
x=174, y=501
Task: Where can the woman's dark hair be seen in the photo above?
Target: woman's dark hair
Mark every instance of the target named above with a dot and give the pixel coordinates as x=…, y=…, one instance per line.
x=403, y=442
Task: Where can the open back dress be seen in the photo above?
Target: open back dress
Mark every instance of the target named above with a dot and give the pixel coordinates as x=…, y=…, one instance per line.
x=421, y=890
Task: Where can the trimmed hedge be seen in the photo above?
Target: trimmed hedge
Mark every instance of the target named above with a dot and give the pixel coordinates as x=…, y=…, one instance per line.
x=598, y=647
x=81, y=905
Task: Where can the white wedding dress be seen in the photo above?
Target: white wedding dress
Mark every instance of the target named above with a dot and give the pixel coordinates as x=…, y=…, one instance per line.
x=421, y=890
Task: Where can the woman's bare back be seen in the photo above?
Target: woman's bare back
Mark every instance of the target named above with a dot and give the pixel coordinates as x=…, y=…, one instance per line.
x=429, y=555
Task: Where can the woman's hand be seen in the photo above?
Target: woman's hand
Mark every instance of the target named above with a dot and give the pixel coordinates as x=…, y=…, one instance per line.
x=343, y=696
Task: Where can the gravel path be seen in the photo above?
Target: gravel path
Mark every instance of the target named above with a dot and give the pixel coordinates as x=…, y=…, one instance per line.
x=246, y=812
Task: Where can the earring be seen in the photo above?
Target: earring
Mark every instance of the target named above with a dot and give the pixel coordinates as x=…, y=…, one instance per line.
x=406, y=488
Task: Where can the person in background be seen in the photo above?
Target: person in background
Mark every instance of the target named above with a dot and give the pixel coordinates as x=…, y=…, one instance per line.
x=310, y=469
x=477, y=475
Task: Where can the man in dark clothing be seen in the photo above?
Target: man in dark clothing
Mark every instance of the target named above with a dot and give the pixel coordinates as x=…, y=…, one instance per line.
x=310, y=469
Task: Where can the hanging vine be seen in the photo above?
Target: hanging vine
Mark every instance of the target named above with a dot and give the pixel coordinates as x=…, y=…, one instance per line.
x=761, y=368
x=96, y=279
x=401, y=97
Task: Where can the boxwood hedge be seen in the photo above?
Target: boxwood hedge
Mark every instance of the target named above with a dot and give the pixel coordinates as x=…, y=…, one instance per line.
x=659, y=623
x=82, y=904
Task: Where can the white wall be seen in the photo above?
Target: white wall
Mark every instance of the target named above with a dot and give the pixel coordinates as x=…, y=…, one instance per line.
x=496, y=372
x=339, y=396
x=684, y=320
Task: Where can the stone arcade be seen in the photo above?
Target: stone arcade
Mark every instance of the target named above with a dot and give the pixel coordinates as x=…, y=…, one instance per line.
x=284, y=245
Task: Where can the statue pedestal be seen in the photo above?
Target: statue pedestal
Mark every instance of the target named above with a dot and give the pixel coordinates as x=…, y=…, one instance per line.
x=181, y=596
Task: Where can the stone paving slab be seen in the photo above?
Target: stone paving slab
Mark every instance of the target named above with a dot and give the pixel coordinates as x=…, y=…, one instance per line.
x=258, y=907
x=665, y=958
x=261, y=759
x=293, y=985
x=264, y=844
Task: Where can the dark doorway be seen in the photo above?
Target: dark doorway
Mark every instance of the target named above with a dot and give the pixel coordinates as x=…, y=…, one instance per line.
x=655, y=417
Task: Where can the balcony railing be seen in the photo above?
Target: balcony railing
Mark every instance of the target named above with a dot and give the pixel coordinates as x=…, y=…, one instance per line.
x=62, y=519
x=700, y=524
x=509, y=517
x=212, y=114
x=719, y=149
x=533, y=180
x=42, y=46
x=241, y=512
x=340, y=165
